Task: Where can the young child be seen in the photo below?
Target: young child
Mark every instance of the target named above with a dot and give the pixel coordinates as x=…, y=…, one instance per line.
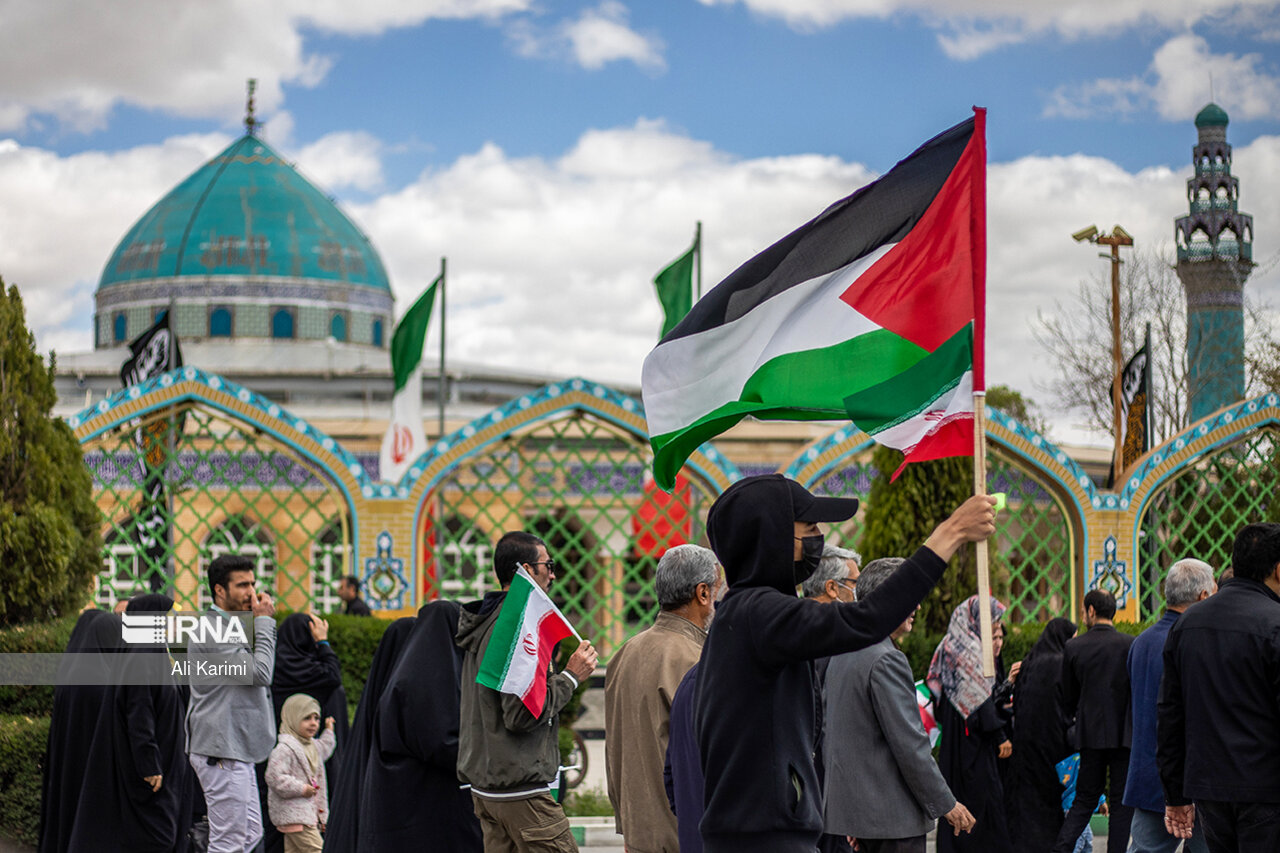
x=297, y=792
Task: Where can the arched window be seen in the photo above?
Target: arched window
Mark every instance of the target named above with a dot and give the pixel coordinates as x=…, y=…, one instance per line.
x=220, y=323
x=377, y=333
x=282, y=323
x=338, y=327
x=119, y=327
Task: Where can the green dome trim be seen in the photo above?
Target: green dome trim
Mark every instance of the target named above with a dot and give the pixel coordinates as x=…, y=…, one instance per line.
x=1212, y=116
x=247, y=212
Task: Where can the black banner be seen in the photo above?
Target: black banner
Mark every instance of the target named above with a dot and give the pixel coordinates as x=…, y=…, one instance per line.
x=1135, y=395
x=153, y=353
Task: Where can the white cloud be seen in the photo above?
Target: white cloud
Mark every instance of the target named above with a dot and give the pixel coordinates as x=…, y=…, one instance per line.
x=1177, y=86
x=969, y=28
x=551, y=260
x=75, y=60
x=595, y=38
x=344, y=159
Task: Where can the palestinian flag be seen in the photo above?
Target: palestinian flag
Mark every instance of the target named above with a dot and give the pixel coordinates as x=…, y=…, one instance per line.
x=518, y=656
x=872, y=312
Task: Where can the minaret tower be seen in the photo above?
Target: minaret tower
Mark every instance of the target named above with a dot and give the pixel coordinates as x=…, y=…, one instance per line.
x=1215, y=256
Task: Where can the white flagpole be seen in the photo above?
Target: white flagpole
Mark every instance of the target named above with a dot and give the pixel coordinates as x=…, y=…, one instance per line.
x=984, y=573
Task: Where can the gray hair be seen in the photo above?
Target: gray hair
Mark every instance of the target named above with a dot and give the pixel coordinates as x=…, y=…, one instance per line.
x=876, y=573
x=680, y=571
x=832, y=567
x=1186, y=580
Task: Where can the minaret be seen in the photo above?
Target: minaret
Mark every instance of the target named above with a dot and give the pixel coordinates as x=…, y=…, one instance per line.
x=1215, y=256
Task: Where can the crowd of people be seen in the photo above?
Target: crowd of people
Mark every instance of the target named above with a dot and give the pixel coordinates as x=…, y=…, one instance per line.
x=745, y=718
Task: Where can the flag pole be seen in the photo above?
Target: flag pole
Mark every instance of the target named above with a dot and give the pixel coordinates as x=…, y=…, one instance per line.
x=984, y=573
x=440, y=379
x=697, y=244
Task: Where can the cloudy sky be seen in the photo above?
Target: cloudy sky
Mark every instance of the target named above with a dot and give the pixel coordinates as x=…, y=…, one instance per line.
x=559, y=153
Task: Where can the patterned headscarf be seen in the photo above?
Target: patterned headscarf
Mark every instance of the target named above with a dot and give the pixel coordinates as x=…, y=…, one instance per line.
x=956, y=668
x=296, y=709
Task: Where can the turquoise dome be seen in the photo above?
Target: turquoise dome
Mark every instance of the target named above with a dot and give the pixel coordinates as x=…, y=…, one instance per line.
x=1211, y=116
x=246, y=213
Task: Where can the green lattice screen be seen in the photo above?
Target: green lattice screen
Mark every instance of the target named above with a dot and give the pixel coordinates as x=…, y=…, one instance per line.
x=580, y=484
x=229, y=489
x=1198, y=512
x=1033, y=547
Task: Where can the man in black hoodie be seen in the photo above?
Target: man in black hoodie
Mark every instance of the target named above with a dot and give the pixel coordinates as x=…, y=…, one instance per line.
x=754, y=705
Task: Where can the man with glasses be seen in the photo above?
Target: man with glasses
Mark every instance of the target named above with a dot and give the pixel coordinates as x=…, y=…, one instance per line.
x=509, y=757
x=832, y=581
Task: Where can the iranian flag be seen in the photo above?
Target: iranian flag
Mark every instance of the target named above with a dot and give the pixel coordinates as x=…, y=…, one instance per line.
x=872, y=312
x=405, y=439
x=518, y=656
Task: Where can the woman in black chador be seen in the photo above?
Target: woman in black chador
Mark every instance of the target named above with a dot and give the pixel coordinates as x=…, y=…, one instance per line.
x=973, y=723
x=344, y=806
x=1034, y=794
x=75, y=714
x=411, y=799
x=138, y=792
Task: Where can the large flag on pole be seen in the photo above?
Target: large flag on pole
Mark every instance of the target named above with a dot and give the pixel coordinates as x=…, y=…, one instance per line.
x=872, y=312
x=1135, y=394
x=405, y=439
x=151, y=354
x=518, y=656
x=675, y=288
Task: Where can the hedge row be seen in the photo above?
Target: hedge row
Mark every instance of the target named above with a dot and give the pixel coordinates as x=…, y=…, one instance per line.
x=22, y=748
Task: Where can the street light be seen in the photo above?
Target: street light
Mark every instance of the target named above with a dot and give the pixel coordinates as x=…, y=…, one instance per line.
x=1117, y=238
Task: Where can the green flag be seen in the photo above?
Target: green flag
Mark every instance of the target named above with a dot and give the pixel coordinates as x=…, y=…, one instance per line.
x=410, y=333
x=675, y=289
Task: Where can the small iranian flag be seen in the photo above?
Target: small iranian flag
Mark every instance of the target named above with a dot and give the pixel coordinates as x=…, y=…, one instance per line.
x=924, y=701
x=519, y=652
x=872, y=312
x=405, y=440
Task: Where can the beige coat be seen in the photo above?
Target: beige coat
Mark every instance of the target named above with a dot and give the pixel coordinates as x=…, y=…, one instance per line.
x=638, y=687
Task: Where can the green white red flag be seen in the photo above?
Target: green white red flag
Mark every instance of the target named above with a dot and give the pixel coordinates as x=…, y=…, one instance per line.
x=518, y=656
x=873, y=311
x=405, y=439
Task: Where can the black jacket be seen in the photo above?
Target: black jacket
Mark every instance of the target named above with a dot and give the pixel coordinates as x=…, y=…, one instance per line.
x=754, y=714
x=1218, y=717
x=1095, y=688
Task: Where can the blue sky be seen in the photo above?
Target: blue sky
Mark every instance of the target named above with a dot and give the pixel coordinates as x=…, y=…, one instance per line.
x=559, y=153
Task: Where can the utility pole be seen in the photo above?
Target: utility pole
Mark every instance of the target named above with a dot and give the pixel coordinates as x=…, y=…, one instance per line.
x=1117, y=238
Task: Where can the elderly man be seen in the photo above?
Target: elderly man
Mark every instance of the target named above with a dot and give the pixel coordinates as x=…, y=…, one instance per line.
x=1187, y=582
x=883, y=786
x=835, y=576
x=754, y=703
x=1218, y=733
x=639, y=686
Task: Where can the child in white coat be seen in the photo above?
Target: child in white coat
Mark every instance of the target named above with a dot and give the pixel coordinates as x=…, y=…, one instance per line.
x=297, y=791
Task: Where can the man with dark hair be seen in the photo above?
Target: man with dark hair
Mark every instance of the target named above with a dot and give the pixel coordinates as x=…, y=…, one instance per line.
x=349, y=592
x=754, y=700
x=509, y=757
x=1095, y=690
x=231, y=727
x=639, y=686
x=882, y=785
x=1218, y=729
x=1187, y=582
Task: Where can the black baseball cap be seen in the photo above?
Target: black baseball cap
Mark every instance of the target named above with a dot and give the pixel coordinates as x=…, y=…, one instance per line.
x=808, y=507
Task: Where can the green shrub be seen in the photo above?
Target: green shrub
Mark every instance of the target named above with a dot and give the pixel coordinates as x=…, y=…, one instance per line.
x=587, y=802
x=22, y=748
x=39, y=637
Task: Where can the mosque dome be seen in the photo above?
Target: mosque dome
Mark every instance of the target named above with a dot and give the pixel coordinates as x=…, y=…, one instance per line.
x=246, y=247
x=1211, y=116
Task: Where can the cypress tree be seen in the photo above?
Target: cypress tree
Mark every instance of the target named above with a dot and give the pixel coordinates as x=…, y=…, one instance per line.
x=901, y=515
x=50, y=544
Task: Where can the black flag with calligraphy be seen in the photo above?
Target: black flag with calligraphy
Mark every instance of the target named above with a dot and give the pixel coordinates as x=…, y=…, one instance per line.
x=152, y=354
x=1135, y=394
